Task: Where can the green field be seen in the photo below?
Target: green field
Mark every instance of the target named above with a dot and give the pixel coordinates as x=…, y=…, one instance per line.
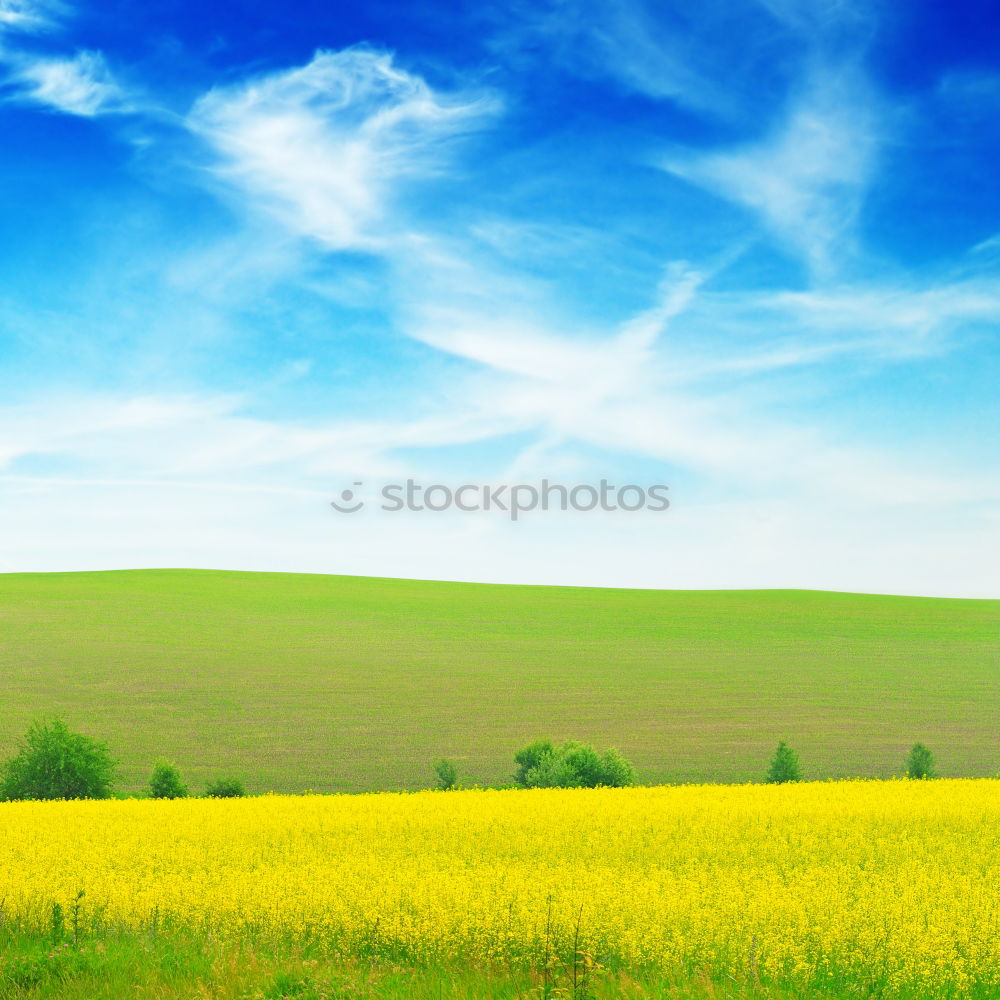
x=297, y=682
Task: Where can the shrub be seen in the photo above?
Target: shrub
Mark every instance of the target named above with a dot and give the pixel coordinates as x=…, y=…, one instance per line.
x=920, y=762
x=54, y=763
x=572, y=765
x=166, y=783
x=225, y=788
x=530, y=758
x=618, y=772
x=784, y=766
x=447, y=775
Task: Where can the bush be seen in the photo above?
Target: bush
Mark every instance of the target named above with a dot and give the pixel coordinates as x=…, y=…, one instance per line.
x=530, y=758
x=572, y=765
x=166, y=783
x=54, y=763
x=447, y=775
x=618, y=772
x=784, y=766
x=920, y=762
x=225, y=788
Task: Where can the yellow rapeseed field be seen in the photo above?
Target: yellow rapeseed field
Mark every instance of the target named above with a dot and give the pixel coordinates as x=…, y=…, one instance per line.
x=887, y=884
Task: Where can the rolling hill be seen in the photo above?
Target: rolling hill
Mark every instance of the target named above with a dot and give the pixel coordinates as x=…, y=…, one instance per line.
x=329, y=683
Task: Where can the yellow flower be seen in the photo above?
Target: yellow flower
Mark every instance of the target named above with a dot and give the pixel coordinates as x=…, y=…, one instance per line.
x=888, y=882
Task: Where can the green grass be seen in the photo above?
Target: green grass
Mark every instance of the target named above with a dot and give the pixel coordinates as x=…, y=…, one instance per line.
x=179, y=966
x=295, y=682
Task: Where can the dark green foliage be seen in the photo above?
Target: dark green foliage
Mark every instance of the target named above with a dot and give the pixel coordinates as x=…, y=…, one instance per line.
x=530, y=758
x=447, y=775
x=617, y=771
x=54, y=763
x=784, y=766
x=572, y=765
x=225, y=788
x=165, y=782
x=920, y=762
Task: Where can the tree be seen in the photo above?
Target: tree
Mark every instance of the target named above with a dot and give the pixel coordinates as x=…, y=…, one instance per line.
x=54, y=763
x=166, y=783
x=447, y=775
x=618, y=772
x=572, y=765
x=920, y=762
x=784, y=766
x=225, y=788
x=531, y=758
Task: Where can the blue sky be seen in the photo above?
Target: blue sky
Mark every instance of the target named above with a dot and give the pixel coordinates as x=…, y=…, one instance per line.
x=254, y=253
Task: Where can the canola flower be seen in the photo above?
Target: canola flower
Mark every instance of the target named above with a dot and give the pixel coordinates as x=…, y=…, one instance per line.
x=891, y=886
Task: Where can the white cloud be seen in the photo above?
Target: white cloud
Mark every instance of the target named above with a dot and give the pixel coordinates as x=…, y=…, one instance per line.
x=210, y=517
x=786, y=70
x=989, y=246
x=758, y=502
x=746, y=334
x=650, y=50
x=638, y=393
x=806, y=181
x=588, y=369
x=726, y=59
x=208, y=441
x=324, y=146
x=328, y=149
x=82, y=85
x=897, y=319
x=29, y=15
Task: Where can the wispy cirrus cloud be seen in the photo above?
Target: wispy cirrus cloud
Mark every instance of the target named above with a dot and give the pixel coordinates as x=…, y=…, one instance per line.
x=282, y=138
x=784, y=78
x=109, y=438
x=637, y=391
x=694, y=55
x=434, y=309
x=899, y=319
x=323, y=146
x=728, y=59
x=806, y=180
x=30, y=15
x=79, y=85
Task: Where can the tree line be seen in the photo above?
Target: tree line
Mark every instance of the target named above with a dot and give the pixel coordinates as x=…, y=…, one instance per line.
x=53, y=762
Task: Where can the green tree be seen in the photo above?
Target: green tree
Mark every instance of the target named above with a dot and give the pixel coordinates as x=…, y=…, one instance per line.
x=447, y=775
x=165, y=782
x=618, y=772
x=530, y=759
x=54, y=763
x=920, y=762
x=572, y=765
x=784, y=766
x=225, y=788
